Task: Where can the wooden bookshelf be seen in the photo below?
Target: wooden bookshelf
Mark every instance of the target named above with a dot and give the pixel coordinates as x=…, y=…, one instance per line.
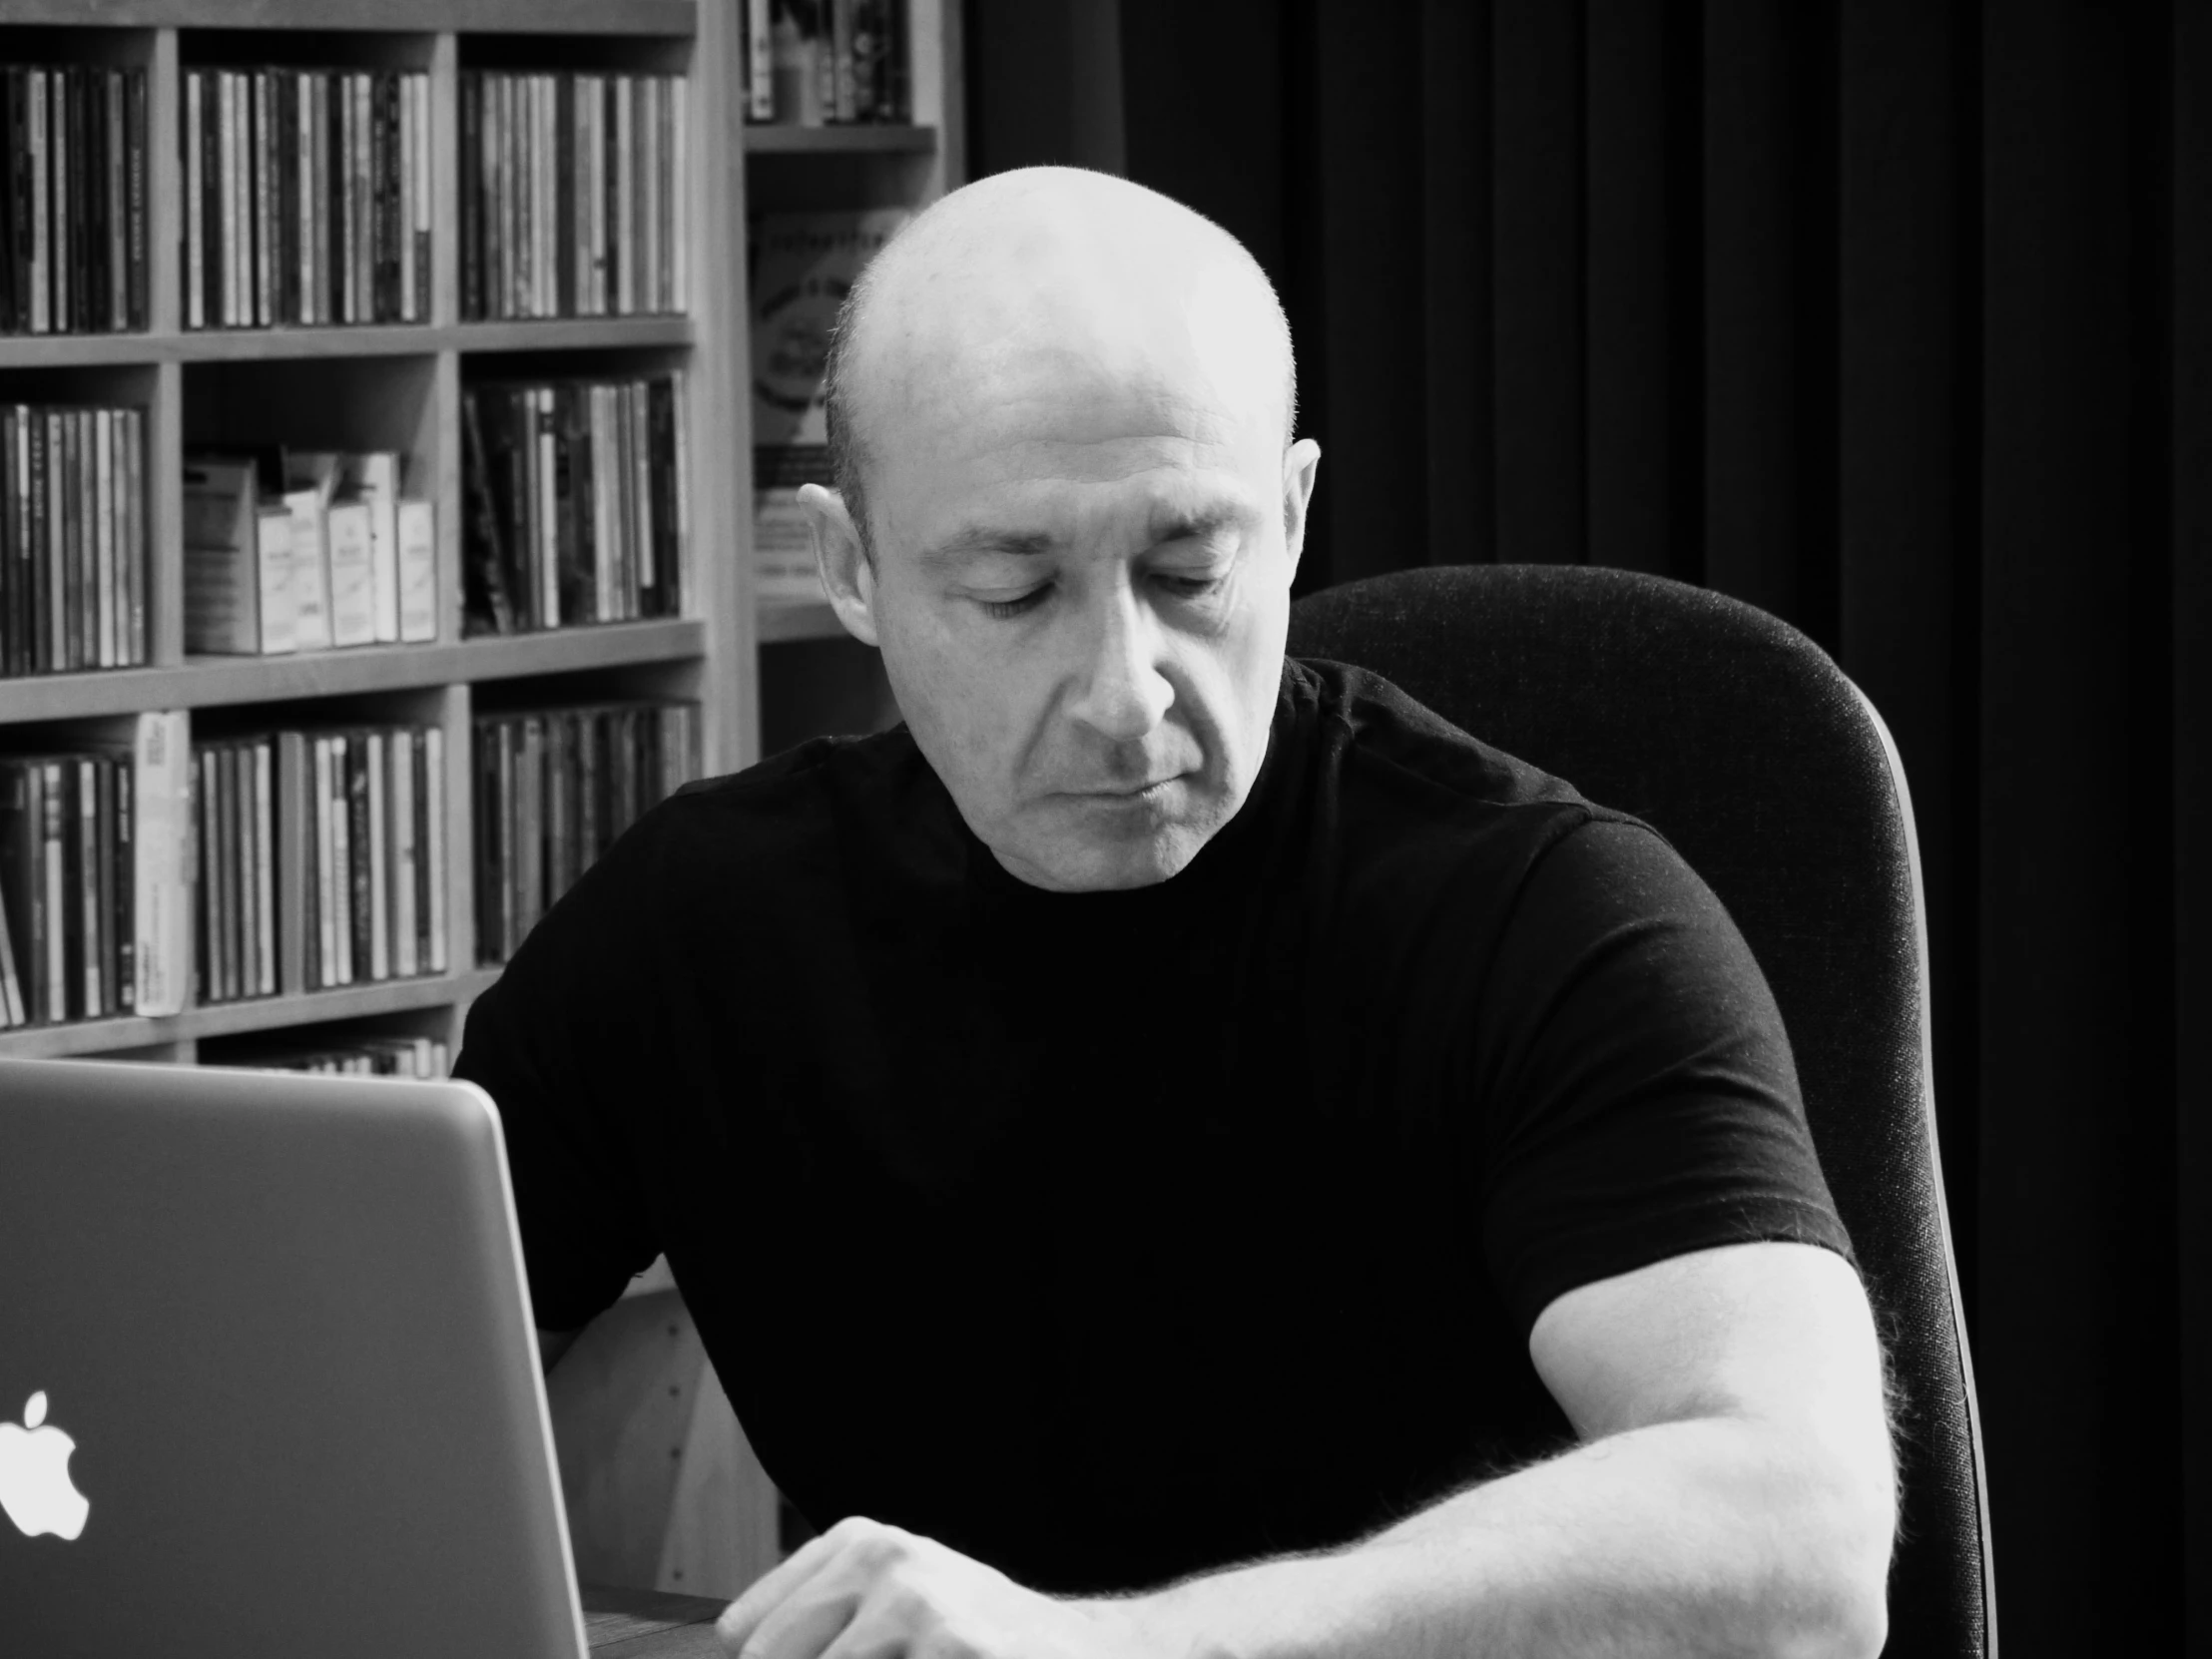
x=399, y=387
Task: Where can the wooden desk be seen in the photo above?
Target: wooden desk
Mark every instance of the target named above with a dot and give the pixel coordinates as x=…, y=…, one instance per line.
x=645, y=1624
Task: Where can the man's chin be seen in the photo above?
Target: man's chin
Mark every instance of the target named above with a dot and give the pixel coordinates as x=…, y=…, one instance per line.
x=1106, y=857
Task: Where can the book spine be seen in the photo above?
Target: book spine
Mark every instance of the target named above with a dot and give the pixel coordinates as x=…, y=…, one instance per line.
x=404, y=137
x=161, y=895
x=360, y=858
x=624, y=209
x=261, y=814
x=41, y=259
x=54, y=884
x=419, y=228
x=377, y=864
x=92, y=913
x=418, y=571
x=101, y=534
x=760, y=62
x=400, y=838
x=430, y=846
x=471, y=194
x=327, y=842
x=294, y=861
x=678, y=219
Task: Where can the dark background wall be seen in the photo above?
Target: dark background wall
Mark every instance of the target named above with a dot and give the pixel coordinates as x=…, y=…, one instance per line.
x=1894, y=319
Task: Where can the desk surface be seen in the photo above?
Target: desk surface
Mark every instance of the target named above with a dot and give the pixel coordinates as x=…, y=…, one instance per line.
x=644, y=1624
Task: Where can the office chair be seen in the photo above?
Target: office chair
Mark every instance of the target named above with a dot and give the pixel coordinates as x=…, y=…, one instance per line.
x=1742, y=742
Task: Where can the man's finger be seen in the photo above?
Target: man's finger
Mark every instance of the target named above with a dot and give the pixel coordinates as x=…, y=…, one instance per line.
x=803, y=1623
x=743, y=1616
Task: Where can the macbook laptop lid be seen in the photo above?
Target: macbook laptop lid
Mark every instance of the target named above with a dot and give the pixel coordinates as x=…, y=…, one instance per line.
x=268, y=1377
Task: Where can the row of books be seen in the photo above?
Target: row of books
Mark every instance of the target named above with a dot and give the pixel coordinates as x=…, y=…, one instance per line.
x=94, y=877
x=73, y=541
x=810, y=63
x=73, y=169
x=576, y=494
x=552, y=789
x=307, y=197
x=290, y=550
x=321, y=859
x=359, y=1058
x=572, y=195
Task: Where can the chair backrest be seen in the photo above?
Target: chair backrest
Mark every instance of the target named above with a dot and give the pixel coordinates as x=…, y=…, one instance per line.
x=1745, y=744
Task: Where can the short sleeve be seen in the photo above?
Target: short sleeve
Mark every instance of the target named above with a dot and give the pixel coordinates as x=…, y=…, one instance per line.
x=556, y=1042
x=1642, y=1102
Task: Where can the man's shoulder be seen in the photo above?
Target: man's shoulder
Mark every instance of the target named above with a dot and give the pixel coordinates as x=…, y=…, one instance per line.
x=1379, y=738
x=793, y=790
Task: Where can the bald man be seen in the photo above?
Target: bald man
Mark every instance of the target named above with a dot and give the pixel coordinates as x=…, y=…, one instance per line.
x=1174, y=1149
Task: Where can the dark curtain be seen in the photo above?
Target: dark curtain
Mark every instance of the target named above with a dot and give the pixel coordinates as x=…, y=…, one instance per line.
x=1893, y=318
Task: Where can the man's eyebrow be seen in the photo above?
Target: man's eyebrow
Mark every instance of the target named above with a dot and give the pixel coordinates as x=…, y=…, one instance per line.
x=982, y=538
x=1203, y=523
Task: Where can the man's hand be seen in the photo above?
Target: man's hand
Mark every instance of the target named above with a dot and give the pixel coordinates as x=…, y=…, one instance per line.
x=863, y=1590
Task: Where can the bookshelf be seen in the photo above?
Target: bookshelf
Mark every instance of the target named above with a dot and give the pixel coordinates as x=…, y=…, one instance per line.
x=393, y=386
x=398, y=387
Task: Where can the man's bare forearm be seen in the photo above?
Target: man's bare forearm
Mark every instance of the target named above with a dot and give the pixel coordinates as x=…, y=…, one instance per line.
x=1709, y=1536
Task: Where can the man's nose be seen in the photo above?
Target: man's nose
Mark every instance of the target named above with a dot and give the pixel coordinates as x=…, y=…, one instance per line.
x=1121, y=692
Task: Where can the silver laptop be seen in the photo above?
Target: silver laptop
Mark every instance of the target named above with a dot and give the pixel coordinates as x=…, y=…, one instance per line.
x=268, y=1382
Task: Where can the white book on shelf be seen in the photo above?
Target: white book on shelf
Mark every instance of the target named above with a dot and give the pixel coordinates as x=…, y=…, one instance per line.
x=372, y=479
x=311, y=571
x=279, y=599
x=418, y=571
x=161, y=877
x=349, y=538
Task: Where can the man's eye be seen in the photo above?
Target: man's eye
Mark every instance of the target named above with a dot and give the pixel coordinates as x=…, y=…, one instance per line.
x=1191, y=587
x=1014, y=607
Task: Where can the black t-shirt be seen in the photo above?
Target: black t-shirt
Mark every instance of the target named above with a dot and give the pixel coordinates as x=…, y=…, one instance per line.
x=1112, y=1237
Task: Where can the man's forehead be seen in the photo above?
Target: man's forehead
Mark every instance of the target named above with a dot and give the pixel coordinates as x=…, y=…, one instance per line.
x=1031, y=309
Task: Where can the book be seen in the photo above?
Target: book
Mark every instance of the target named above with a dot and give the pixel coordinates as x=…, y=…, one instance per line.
x=348, y=543
x=161, y=787
x=418, y=571
x=223, y=581
x=372, y=478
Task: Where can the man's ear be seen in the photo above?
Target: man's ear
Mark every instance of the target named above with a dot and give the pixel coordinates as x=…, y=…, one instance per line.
x=1300, y=464
x=846, y=572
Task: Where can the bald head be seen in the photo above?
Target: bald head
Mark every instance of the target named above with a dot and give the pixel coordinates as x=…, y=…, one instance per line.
x=1042, y=282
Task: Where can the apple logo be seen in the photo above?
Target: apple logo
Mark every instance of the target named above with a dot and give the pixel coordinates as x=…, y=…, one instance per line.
x=35, y=1489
